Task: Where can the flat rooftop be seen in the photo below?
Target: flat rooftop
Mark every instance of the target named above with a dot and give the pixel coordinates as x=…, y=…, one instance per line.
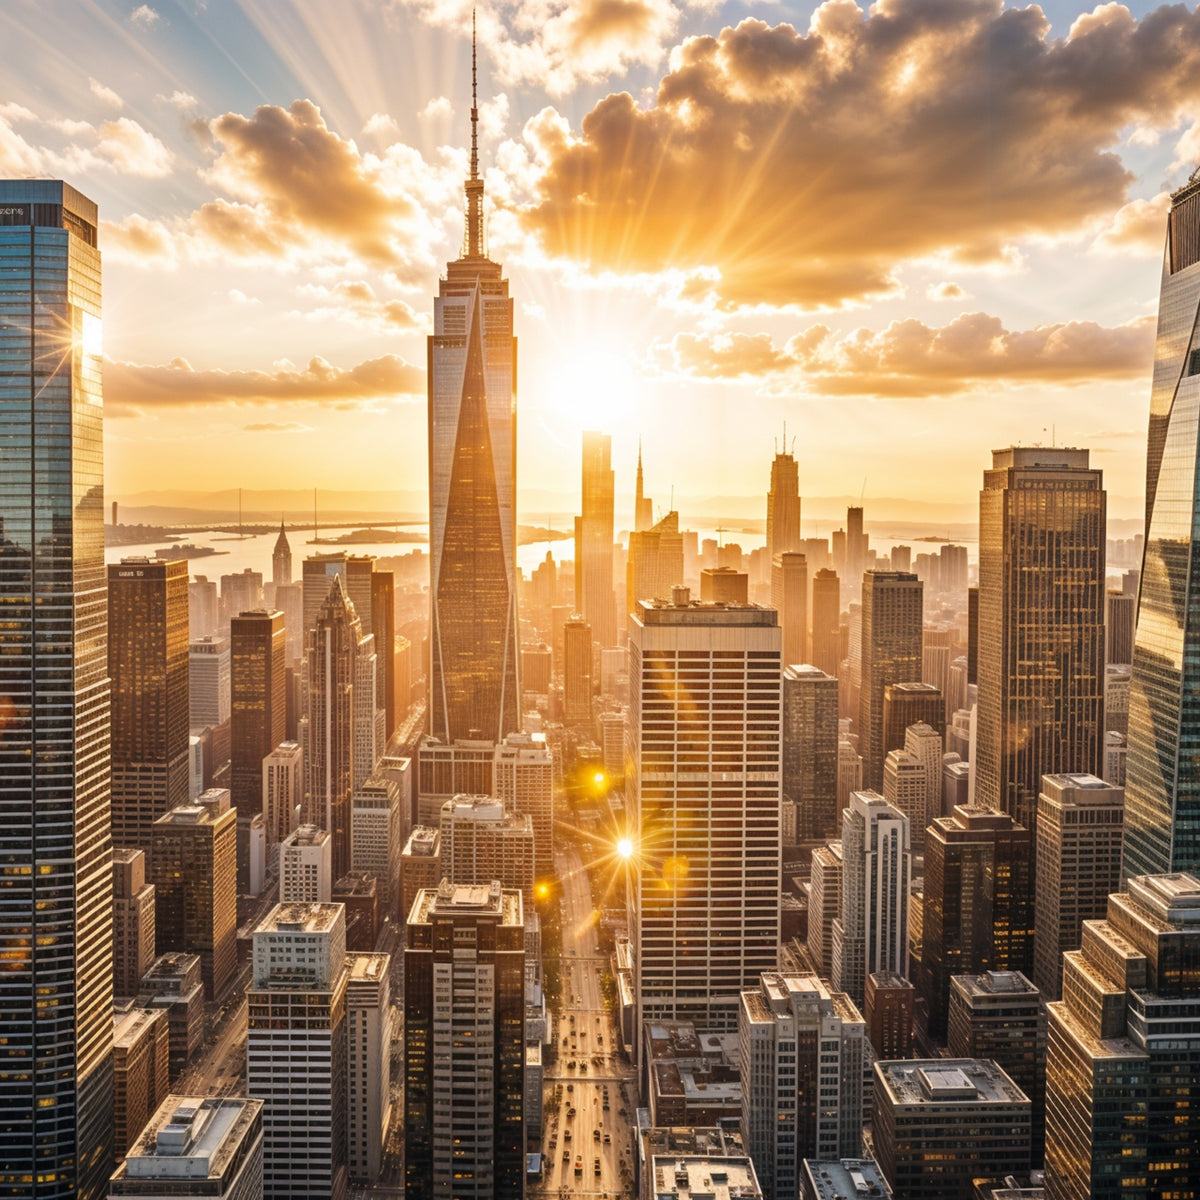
x=921, y=1081
x=996, y=983
x=1174, y=898
x=130, y=1026
x=448, y=899
x=704, y=1179
x=846, y=1179
x=307, y=835
x=190, y=1138
x=300, y=918
x=422, y=842
x=368, y=968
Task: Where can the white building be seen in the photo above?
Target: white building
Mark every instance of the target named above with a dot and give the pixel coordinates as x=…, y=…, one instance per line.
x=705, y=796
x=208, y=682
x=306, y=867
x=296, y=1049
x=801, y=1049
x=872, y=933
x=367, y=747
x=369, y=1063
x=924, y=743
x=283, y=792
x=482, y=841
x=524, y=781
x=905, y=787
x=377, y=835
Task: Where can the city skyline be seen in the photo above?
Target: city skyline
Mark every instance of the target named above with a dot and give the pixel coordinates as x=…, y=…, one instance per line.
x=309, y=230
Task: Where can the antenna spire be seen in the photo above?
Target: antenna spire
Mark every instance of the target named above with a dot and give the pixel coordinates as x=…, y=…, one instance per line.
x=473, y=242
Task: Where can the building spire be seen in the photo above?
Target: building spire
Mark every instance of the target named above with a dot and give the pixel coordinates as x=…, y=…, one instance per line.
x=473, y=242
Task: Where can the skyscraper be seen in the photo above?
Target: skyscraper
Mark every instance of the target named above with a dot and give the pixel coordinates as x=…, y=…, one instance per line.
x=705, y=744
x=826, y=618
x=258, y=715
x=56, y=1004
x=577, y=672
x=473, y=639
x=643, y=506
x=789, y=597
x=1162, y=780
x=281, y=558
x=655, y=562
x=783, y=506
x=148, y=666
x=594, y=540
x=810, y=750
x=1041, y=624
x=483, y=841
x=524, y=781
x=891, y=653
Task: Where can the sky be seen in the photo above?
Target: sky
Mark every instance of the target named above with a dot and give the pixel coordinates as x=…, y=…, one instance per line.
x=913, y=232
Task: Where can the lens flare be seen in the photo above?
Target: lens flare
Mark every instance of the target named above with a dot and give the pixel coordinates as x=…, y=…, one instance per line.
x=625, y=848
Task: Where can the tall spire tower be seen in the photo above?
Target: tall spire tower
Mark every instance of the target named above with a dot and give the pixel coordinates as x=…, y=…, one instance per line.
x=643, y=508
x=472, y=354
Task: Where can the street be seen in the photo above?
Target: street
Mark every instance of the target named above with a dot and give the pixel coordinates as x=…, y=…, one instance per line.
x=588, y=1141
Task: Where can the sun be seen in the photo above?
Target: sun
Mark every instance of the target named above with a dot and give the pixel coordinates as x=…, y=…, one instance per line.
x=625, y=848
x=598, y=384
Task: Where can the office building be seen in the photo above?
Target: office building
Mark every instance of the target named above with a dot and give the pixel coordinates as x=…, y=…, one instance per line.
x=801, y=1051
x=655, y=562
x=1162, y=783
x=282, y=793
x=443, y=772
x=783, y=510
x=306, y=867
x=843, y=1179
x=577, y=672
x=1041, y=624
x=377, y=835
x=174, y=984
x=329, y=743
x=196, y=1146
x=789, y=598
x=810, y=750
x=824, y=905
x=888, y=1011
x=1080, y=824
x=721, y=1175
x=612, y=742
x=1115, y=752
x=258, y=715
x=420, y=865
x=358, y=893
x=911, y=703
x=594, y=595
x=383, y=630
x=141, y=1057
x=850, y=772
x=942, y=1123
x=473, y=634
x=482, y=841
x=369, y=1064
x=1120, y=612
x=925, y=744
x=203, y=607
x=368, y=719
x=691, y=1081
x=871, y=933
x=1123, y=1050
x=999, y=1016
x=193, y=866
x=148, y=669
x=704, y=790
x=978, y=904
x=296, y=1049
x=826, y=621
x=133, y=920
x=643, y=506
x=956, y=784
x=1116, y=698
x=905, y=787
x=724, y=585
x=464, y=1045
x=891, y=653
x=524, y=783
x=240, y=592
x=208, y=682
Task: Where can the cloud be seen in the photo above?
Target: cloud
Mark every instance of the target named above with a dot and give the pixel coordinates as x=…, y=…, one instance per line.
x=105, y=94
x=132, y=389
x=119, y=145
x=946, y=290
x=180, y=100
x=556, y=44
x=144, y=16
x=1139, y=226
x=439, y=108
x=808, y=167
x=912, y=359
x=278, y=427
x=123, y=145
x=355, y=301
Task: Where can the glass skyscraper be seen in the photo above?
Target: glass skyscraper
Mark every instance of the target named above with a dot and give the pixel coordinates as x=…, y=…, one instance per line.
x=473, y=645
x=1162, y=780
x=55, y=846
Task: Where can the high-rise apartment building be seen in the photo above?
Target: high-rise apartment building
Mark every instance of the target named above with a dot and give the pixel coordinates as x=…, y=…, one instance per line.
x=174, y=984
x=1041, y=624
x=141, y=1058
x=296, y=1049
x=208, y=682
x=978, y=903
x=1123, y=1051
x=329, y=740
x=924, y=743
x=420, y=865
x=377, y=834
x=888, y=1002
x=56, y=1005
x=810, y=750
x=655, y=562
x=824, y=905
x=258, y=715
x=594, y=540
x=789, y=598
x=473, y=635
x=306, y=867
x=826, y=621
x=482, y=841
x=783, y=509
x=577, y=672
x=1080, y=823
x=705, y=710
x=133, y=920
x=891, y=653
x=464, y=1044
x=911, y=702
x=871, y=933
x=148, y=667
x=524, y=783
x=801, y=1053
x=193, y=865
x=282, y=793
x=904, y=787
x=1162, y=780
x=369, y=1063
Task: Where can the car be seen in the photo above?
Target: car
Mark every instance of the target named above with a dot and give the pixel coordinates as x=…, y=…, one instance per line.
x=579, y=1166
x=583, y=1067
x=566, y=1156
x=567, y=1136
x=595, y=1135
x=570, y=1087
x=600, y=1039
x=596, y=1167
x=608, y=1139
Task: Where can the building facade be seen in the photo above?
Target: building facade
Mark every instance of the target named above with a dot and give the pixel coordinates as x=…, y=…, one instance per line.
x=594, y=595
x=810, y=750
x=524, y=781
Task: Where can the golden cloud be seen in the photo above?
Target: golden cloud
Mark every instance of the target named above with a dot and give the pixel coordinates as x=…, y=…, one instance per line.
x=910, y=358
x=807, y=167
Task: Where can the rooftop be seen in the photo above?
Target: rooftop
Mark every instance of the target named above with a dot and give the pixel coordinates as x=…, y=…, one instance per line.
x=356, y=883
x=847, y=1179
x=130, y=1026
x=190, y=1137
x=307, y=835
x=368, y=968
x=703, y=1178
x=703, y=612
x=995, y=983
x=449, y=899
x=422, y=842
x=1175, y=898
x=300, y=918
x=125, y=854
x=805, y=671
x=913, y=1082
